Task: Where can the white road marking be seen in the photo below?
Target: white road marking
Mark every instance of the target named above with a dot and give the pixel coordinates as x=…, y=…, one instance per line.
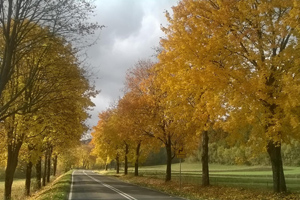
x=127, y=196
x=71, y=190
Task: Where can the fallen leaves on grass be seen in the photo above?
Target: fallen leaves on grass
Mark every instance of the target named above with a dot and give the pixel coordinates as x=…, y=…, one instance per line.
x=195, y=192
x=57, y=189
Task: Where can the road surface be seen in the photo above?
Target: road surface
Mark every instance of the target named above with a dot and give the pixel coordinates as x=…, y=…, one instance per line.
x=87, y=185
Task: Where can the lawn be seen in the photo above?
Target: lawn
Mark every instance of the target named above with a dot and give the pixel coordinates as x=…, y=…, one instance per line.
x=259, y=177
x=18, y=189
x=56, y=189
x=228, y=181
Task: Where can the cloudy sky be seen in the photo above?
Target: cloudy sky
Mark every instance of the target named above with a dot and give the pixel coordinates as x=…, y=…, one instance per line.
x=132, y=30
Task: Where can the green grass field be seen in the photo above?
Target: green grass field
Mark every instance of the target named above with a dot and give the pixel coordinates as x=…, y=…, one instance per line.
x=17, y=189
x=57, y=189
x=259, y=177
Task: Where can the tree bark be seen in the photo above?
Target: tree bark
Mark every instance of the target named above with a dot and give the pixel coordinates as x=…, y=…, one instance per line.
x=118, y=164
x=28, y=177
x=11, y=165
x=126, y=160
x=54, y=165
x=49, y=164
x=45, y=169
x=274, y=148
x=168, y=145
x=274, y=151
x=205, y=168
x=38, y=169
x=48, y=168
x=137, y=156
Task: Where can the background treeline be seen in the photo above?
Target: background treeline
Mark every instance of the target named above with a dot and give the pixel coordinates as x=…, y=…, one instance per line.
x=222, y=153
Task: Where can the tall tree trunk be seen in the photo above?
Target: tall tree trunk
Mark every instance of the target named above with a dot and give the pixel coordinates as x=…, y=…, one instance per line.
x=118, y=164
x=48, y=168
x=137, y=156
x=45, y=169
x=274, y=148
x=28, y=171
x=54, y=165
x=168, y=146
x=12, y=162
x=107, y=164
x=205, y=169
x=274, y=151
x=28, y=177
x=38, y=170
x=49, y=164
x=126, y=159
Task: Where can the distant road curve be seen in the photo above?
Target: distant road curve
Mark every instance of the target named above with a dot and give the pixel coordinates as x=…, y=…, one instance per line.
x=87, y=185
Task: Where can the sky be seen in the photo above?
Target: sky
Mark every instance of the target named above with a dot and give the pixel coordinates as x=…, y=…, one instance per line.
x=132, y=30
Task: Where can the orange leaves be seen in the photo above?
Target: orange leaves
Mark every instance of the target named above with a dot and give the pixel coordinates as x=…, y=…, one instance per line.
x=232, y=65
x=129, y=123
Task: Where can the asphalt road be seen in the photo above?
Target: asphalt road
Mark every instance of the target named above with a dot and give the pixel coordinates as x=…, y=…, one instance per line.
x=88, y=185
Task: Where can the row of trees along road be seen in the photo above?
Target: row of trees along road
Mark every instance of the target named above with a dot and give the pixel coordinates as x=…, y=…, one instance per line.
x=44, y=94
x=224, y=65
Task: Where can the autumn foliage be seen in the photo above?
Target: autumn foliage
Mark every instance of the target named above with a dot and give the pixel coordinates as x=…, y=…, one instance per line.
x=225, y=66
x=44, y=91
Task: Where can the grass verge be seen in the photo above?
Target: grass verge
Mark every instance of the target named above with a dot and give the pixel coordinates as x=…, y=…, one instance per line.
x=252, y=177
x=194, y=191
x=57, y=190
x=17, y=189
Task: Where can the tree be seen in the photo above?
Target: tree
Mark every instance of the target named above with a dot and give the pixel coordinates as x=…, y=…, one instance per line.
x=86, y=159
x=146, y=103
x=133, y=124
x=120, y=133
x=33, y=153
x=244, y=55
x=99, y=142
x=134, y=108
x=160, y=123
x=51, y=87
x=108, y=145
x=19, y=35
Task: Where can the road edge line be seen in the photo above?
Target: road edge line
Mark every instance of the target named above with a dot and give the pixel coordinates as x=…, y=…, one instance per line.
x=71, y=190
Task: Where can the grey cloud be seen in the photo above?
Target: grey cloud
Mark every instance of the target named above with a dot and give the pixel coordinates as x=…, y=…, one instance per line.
x=132, y=30
x=121, y=18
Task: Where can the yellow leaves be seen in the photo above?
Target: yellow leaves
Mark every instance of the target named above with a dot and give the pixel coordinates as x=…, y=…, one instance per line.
x=234, y=65
x=295, y=122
